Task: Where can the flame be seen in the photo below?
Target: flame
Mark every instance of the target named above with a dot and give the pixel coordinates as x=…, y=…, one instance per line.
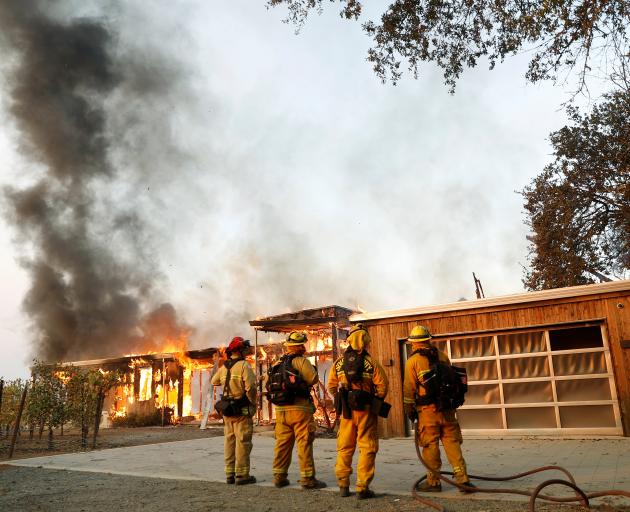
x=145, y=384
x=263, y=354
x=138, y=361
x=62, y=376
x=160, y=385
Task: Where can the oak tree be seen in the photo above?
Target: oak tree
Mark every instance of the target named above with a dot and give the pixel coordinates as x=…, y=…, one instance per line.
x=561, y=35
x=578, y=208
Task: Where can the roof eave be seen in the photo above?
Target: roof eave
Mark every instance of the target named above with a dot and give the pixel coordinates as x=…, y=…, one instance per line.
x=503, y=300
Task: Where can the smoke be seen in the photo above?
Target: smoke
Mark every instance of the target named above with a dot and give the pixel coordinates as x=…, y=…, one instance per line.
x=89, y=260
x=307, y=184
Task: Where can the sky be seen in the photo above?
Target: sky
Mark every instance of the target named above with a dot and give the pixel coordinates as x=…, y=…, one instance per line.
x=275, y=172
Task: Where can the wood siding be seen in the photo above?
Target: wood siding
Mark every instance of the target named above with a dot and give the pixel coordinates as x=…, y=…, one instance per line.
x=611, y=309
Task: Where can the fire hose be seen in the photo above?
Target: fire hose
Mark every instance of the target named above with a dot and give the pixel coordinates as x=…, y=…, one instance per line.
x=580, y=495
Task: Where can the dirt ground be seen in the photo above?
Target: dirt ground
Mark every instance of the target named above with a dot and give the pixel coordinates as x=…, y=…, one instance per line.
x=107, y=438
x=33, y=489
x=37, y=489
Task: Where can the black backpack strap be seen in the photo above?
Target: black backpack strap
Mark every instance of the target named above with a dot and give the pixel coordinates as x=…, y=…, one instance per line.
x=226, y=386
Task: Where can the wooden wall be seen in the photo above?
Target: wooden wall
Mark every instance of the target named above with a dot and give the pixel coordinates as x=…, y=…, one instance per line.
x=606, y=306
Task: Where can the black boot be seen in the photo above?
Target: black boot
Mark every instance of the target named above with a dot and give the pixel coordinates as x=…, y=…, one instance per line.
x=244, y=480
x=281, y=482
x=426, y=487
x=344, y=492
x=230, y=479
x=467, y=484
x=365, y=494
x=312, y=483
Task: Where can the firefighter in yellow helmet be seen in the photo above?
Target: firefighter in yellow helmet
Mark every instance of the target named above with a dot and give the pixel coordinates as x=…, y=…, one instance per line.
x=294, y=416
x=359, y=382
x=239, y=390
x=433, y=425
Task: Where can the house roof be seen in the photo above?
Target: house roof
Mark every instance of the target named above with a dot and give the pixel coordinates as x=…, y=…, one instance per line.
x=502, y=300
x=304, y=320
x=206, y=353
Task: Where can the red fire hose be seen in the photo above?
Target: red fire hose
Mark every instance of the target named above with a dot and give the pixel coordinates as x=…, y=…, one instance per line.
x=580, y=495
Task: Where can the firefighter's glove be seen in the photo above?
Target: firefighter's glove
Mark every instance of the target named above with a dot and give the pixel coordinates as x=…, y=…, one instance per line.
x=411, y=413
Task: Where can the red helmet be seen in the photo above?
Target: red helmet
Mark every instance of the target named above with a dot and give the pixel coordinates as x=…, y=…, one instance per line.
x=238, y=344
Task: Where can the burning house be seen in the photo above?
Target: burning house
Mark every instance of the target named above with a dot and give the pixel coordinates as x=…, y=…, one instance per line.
x=171, y=384
x=327, y=329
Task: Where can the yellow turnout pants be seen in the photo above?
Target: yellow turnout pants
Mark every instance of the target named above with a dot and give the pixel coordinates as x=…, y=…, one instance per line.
x=361, y=430
x=294, y=426
x=238, y=432
x=434, y=426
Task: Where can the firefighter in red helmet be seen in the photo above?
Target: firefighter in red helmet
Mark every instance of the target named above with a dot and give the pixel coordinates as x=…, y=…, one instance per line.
x=237, y=405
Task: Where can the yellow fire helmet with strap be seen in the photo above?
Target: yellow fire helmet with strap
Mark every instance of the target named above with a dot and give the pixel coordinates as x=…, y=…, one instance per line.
x=419, y=333
x=296, y=338
x=359, y=338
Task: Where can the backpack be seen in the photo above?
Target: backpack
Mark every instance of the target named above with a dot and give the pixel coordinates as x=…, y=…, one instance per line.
x=353, y=365
x=285, y=383
x=446, y=385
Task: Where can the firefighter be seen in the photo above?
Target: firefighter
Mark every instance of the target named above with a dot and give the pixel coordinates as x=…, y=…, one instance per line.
x=433, y=425
x=238, y=429
x=295, y=422
x=358, y=426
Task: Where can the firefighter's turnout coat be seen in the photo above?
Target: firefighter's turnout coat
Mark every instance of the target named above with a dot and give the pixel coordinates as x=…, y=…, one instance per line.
x=238, y=430
x=361, y=429
x=433, y=425
x=295, y=425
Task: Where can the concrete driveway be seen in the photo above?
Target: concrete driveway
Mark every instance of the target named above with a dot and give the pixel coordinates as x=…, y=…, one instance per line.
x=596, y=464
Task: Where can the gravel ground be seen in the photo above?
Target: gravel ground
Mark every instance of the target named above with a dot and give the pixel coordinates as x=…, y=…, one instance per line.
x=34, y=489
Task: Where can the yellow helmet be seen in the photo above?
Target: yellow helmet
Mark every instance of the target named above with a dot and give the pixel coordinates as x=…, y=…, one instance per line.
x=419, y=333
x=296, y=338
x=359, y=338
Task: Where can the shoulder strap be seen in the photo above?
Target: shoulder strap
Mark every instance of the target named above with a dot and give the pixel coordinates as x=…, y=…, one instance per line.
x=288, y=360
x=226, y=386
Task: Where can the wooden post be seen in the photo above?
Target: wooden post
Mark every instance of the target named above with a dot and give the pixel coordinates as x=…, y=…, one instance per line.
x=17, y=421
x=269, y=404
x=334, y=341
x=180, y=391
x=153, y=364
x=258, y=379
x=163, y=392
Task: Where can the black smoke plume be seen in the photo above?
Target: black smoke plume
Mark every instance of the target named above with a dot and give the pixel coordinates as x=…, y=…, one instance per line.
x=84, y=299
